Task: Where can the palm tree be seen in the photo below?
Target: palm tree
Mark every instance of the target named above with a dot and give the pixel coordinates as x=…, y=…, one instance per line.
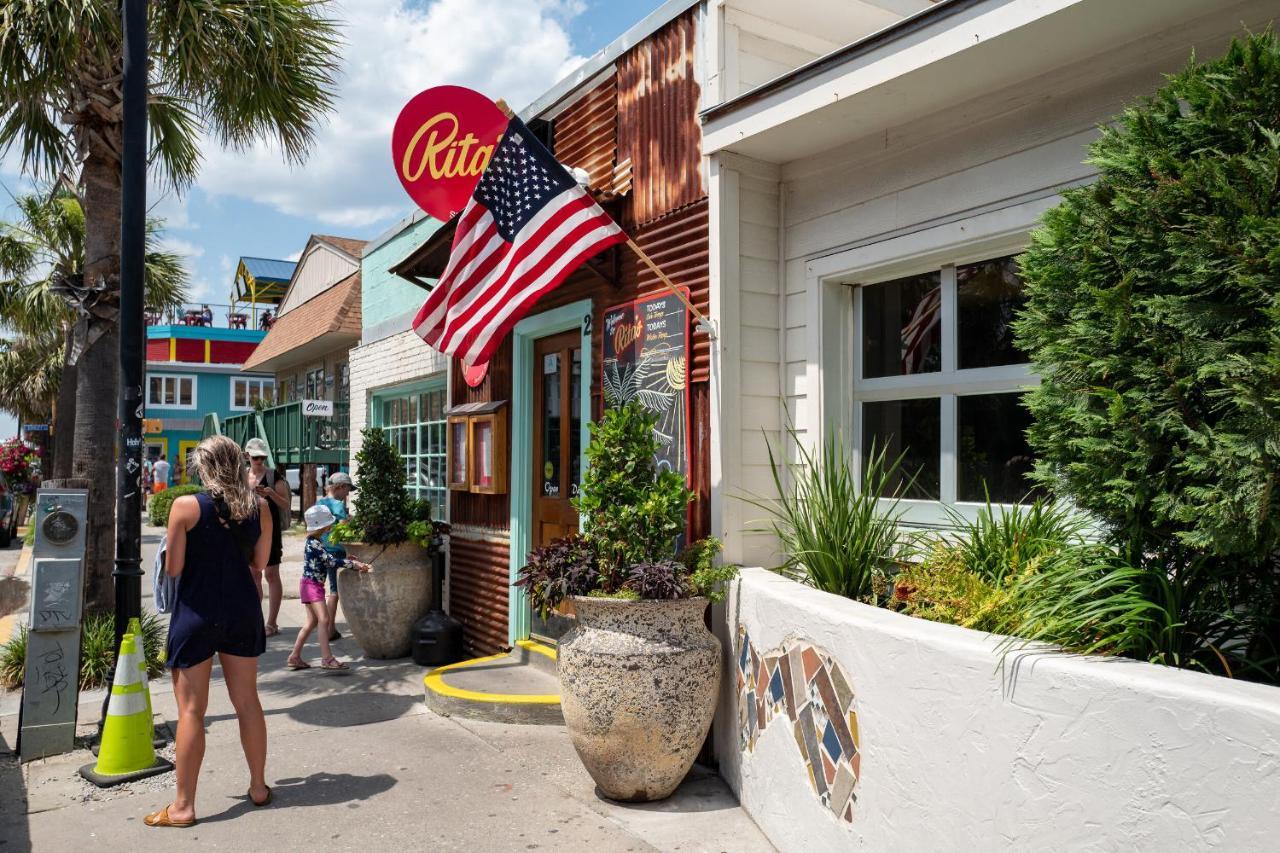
x=237, y=70
x=41, y=256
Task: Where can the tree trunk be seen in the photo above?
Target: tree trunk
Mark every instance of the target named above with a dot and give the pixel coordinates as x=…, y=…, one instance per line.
x=97, y=379
x=63, y=422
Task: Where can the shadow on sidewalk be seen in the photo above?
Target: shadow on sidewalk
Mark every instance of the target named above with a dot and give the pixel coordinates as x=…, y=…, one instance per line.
x=318, y=789
x=15, y=834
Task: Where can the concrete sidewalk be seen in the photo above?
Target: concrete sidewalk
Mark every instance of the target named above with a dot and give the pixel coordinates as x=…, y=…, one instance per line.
x=358, y=762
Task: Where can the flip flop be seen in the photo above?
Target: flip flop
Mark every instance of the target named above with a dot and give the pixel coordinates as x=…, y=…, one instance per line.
x=266, y=802
x=271, y=630
x=294, y=667
x=333, y=663
x=161, y=818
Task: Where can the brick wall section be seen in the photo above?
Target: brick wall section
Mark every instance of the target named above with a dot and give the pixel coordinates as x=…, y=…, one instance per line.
x=395, y=360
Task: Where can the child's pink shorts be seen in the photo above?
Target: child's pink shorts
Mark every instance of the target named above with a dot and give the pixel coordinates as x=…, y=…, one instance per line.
x=309, y=591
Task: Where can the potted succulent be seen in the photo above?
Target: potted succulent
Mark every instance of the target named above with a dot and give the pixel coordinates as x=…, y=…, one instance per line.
x=394, y=534
x=639, y=671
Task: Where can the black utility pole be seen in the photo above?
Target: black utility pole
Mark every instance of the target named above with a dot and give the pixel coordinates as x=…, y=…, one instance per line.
x=133, y=223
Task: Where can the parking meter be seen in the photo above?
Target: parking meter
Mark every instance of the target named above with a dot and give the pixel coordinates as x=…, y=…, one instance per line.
x=51, y=686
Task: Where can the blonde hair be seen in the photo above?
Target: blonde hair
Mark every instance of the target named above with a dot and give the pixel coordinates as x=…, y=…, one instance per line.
x=219, y=463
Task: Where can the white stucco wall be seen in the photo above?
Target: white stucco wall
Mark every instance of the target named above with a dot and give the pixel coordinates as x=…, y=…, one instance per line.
x=1053, y=753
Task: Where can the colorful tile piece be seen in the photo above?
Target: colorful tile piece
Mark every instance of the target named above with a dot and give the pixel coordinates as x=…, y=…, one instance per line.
x=819, y=700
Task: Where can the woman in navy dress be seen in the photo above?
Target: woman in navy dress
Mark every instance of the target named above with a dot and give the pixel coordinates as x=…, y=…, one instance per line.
x=215, y=541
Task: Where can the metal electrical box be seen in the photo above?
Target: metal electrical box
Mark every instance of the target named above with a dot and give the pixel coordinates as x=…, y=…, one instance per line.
x=50, y=690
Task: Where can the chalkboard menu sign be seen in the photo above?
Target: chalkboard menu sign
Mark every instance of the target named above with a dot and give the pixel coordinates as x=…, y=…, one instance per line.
x=646, y=358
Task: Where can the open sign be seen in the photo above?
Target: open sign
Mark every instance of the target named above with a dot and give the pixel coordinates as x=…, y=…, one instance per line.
x=317, y=408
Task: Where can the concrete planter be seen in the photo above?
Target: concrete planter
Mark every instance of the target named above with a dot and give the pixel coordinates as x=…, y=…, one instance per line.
x=382, y=606
x=849, y=727
x=638, y=686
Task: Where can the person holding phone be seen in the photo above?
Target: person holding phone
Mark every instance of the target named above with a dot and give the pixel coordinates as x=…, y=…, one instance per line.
x=274, y=489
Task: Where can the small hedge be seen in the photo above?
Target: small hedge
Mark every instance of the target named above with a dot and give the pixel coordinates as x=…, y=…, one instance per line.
x=159, y=506
x=97, y=652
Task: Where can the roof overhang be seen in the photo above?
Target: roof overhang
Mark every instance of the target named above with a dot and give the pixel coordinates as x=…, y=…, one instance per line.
x=306, y=353
x=951, y=53
x=428, y=260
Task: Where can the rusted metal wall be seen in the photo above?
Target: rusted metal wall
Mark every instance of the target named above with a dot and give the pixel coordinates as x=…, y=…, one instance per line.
x=478, y=591
x=658, y=129
x=586, y=134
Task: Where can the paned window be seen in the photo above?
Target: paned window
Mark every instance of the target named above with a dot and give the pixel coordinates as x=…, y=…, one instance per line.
x=938, y=383
x=245, y=393
x=171, y=392
x=414, y=423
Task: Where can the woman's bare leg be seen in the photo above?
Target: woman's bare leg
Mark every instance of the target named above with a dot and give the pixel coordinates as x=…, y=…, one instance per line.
x=241, y=675
x=275, y=592
x=191, y=689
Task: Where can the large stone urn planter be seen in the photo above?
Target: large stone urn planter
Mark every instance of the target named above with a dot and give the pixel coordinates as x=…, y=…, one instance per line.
x=638, y=687
x=382, y=605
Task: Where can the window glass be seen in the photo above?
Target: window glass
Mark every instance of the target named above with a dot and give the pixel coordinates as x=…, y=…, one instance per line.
x=155, y=392
x=415, y=427
x=901, y=326
x=186, y=391
x=989, y=294
x=550, y=413
x=910, y=429
x=238, y=393
x=575, y=424
x=993, y=455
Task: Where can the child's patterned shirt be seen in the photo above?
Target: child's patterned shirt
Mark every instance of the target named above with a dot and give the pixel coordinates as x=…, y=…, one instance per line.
x=316, y=561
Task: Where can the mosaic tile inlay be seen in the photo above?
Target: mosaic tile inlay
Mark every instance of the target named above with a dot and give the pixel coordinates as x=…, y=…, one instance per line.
x=816, y=696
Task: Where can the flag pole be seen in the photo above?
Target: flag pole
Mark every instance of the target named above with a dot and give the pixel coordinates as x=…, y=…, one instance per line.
x=703, y=322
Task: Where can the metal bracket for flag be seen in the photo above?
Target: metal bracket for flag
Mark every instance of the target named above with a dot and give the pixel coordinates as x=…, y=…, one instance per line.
x=704, y=324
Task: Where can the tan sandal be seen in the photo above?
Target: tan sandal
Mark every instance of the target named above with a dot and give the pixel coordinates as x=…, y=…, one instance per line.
x=271, y=630
x=333, y=663
x=161, y=818
x=294, y=666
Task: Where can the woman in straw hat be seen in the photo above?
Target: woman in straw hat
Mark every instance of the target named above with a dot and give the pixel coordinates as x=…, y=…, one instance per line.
x=216, y=540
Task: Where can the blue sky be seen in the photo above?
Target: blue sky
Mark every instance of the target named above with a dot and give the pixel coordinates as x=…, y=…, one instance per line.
x=251, y=203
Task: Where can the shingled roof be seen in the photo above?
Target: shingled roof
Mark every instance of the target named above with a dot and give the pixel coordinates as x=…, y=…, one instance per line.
x=333, y=315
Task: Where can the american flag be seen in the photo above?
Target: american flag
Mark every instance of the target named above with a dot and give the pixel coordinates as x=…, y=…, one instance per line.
x=527, y=226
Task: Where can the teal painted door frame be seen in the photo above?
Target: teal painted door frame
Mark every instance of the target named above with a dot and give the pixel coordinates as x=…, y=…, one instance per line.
x=576, y=315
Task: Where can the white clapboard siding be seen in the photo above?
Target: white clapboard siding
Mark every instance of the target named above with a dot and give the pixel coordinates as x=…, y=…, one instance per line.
x=318, y=270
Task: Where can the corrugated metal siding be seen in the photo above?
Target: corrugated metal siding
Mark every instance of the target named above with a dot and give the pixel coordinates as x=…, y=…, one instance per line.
x=586, y=134
x=658, y=127
x=478, y=592
x=680, y=244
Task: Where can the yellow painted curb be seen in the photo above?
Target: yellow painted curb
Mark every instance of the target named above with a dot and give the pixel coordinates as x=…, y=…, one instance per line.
x=7, y=622
x=537, y=648
x=435, y=682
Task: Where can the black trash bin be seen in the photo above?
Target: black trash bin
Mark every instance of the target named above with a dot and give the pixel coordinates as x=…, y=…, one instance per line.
x=437, y=636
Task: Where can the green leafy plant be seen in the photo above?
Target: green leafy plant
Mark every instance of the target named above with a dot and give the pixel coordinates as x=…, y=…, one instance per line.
x=631, y=511
x=382, y=506
x=1003, y=541
x=13, y=659
x=632, y=515
x=839, y=531
x=943, y=588
x=1091, y=600
x=29, y=536
x=159, y=505
x=1153, y=300
x=97, y=651
x=344, y=531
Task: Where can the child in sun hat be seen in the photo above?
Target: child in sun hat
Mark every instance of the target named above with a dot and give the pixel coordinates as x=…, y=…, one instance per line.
x=316, y=563
x=336, y=492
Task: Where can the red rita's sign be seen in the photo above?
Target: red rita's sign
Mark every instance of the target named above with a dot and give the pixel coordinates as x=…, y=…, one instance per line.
x=441, y=143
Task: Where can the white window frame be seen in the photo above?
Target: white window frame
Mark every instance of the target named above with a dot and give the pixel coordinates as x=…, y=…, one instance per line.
x=265, y=384
x=176, y=378
x=835, y=314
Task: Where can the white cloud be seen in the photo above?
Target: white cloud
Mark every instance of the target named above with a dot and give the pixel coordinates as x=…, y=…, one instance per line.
x=512, y=49
x=181, y=247
x=294, y=256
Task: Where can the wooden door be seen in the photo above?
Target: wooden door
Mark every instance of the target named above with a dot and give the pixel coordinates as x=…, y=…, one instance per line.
x=557, y=450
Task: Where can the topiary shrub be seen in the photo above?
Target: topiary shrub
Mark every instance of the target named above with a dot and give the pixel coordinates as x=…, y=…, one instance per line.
x=631, y=512
x=382, y=507
x=1153, y=319
x=160, y=504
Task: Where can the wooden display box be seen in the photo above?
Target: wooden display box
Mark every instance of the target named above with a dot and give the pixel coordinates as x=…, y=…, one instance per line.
x=477, y=442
